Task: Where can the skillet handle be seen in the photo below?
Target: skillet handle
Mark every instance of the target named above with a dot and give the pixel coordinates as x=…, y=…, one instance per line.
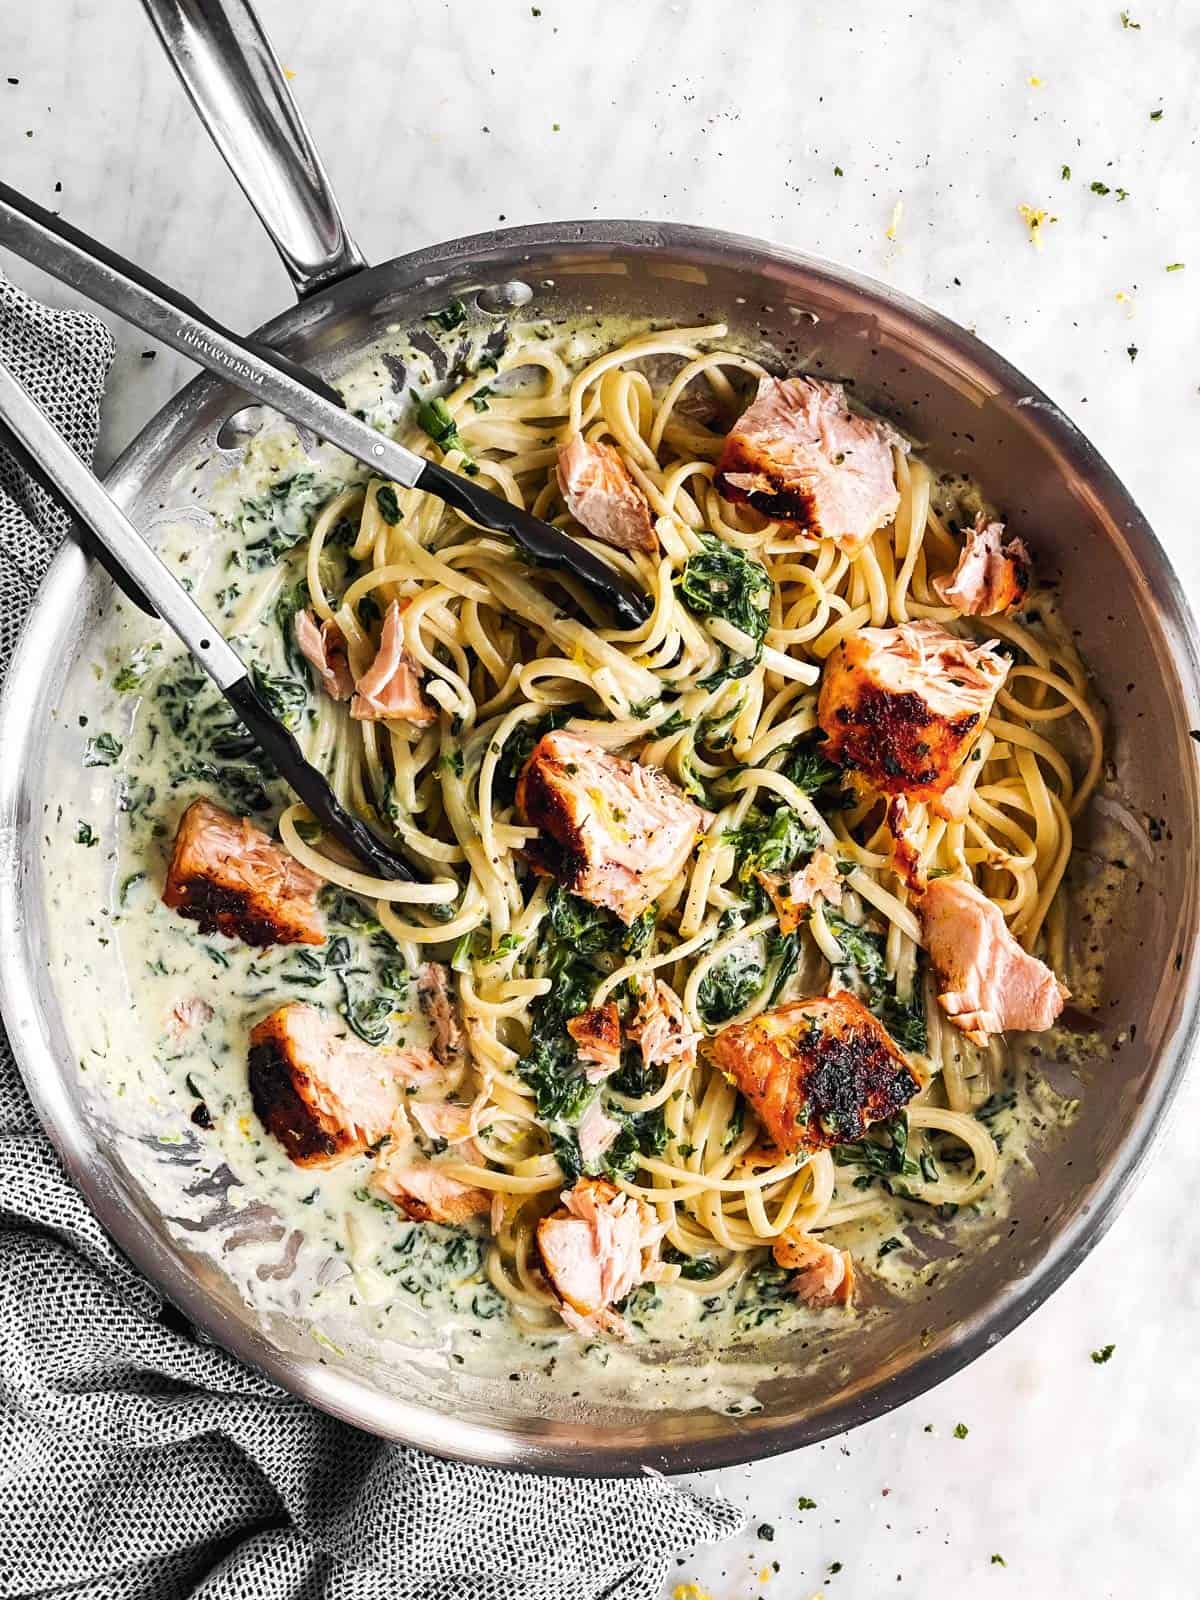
x=235, y=82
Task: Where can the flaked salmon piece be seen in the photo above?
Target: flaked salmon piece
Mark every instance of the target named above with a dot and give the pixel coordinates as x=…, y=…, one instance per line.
x=990, y=577
x=902, y=707
x=612, y=831
x=229, y=877
x=598, y=1246
x=661, y=1027
x=987, y=983
x=596, y=1131
x=443, y=1119
x=391, y=686
x=424, y=1191
x=321, y=1092
x=324, y=648
x=817, y=1072
x=824, y=1275
x=799, y=455
x=597, y=1036
x=906, y=853
x=438, y=1008
x=602, y=496
x=188, y=1014
x=793, y=894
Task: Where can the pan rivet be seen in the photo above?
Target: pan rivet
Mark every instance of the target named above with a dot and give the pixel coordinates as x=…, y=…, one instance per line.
x=377, y=450
x=237, y=430
x=501, y=297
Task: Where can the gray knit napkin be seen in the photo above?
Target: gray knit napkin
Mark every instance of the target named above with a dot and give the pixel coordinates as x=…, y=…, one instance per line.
x=137, y=1460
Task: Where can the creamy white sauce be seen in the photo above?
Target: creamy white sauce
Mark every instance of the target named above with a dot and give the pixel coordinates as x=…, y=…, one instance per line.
x=311, y=1244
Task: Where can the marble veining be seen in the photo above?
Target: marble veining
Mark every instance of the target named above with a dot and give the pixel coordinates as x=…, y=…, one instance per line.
x=900, y=140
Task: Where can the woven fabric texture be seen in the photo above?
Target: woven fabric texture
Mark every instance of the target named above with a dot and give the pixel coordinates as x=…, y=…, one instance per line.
x=139, y=1460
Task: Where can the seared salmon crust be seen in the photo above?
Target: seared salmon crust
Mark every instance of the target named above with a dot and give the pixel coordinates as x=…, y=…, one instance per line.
x=896, y=736
x=904, y=706
x=275, y=1091
x=228, y=876
x=818, y=1072
x=612, y=831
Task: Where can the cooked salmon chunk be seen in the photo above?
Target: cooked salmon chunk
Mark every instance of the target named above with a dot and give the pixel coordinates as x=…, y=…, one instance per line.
x=439, y=1011
x=612, y=831
x=903, y=706
x=660, y=1026
x=991, y=576
x=799, y=455
x=596, y=1132
x=228, y=876
x=597, y=1036
x=424, y=1191
x=322, y=1092
x=987, y=983
x=390, y=688
x=793, y=894
x=324, y=648
x=448, y=1120
x=817, y=1072
x=602, y=496
x=598, y=1246
x=824, y=1275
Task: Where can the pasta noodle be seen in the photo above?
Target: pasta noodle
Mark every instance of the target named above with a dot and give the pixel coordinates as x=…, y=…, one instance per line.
x=498, y=651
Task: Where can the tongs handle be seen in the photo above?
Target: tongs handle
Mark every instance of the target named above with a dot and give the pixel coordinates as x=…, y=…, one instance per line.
x=94, y=270
x=241, y=94
x=77, y=487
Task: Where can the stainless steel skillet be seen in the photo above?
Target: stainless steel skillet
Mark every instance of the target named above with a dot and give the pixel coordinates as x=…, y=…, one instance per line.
x=981, y=419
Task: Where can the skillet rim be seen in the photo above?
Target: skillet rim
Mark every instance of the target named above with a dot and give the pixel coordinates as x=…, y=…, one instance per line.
x=346, y=1396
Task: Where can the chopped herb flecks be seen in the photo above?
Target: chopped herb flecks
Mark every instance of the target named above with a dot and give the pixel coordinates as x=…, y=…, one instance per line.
x=101, y=751
x=389, y=506
x=449, y=317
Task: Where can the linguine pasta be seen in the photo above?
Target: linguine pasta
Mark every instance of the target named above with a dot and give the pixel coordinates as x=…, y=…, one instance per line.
x=506, y=650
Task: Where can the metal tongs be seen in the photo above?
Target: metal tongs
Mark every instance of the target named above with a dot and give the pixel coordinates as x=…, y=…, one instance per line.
x=140, y=572
x=161, y=311
x=272, y=379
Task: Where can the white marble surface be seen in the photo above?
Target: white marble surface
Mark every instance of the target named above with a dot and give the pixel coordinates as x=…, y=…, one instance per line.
x=439, y=119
